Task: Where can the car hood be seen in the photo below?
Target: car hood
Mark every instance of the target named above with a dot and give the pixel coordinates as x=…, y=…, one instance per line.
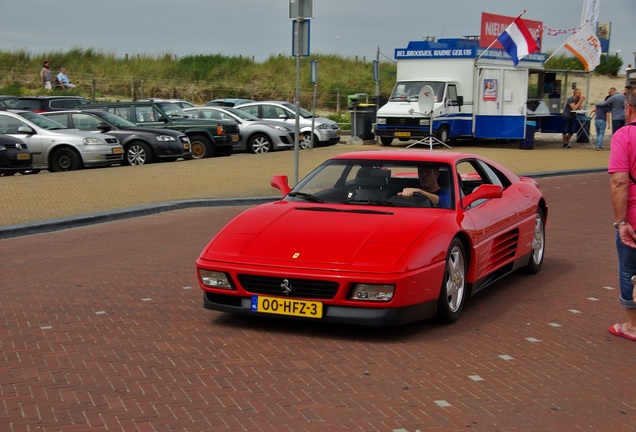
x=351, y=238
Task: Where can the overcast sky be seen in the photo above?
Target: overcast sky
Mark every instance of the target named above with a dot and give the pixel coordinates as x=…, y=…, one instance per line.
x=260, y=28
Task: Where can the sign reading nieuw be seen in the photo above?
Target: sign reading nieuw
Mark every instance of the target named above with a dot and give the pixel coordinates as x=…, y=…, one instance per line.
x=493, y=25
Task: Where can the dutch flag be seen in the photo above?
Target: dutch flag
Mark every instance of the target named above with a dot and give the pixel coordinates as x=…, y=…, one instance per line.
x=517, y=40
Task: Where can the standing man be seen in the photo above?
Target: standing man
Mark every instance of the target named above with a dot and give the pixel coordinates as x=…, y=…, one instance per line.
x=622, y=168
x=616, y=102
x=574, y=103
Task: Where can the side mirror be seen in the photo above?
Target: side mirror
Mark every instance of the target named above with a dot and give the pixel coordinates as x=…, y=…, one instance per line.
x=104, y=127
x=460, y=101
x=26, y=130
x=281, y=183
x=482, y=192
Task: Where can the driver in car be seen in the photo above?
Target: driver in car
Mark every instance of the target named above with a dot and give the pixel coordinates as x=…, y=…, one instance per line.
x=428, y=176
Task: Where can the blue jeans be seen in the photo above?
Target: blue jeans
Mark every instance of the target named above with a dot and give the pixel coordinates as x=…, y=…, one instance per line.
x=626, y=269
x=601, y=125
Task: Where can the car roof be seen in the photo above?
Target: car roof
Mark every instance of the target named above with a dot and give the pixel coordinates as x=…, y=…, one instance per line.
x=409, y=155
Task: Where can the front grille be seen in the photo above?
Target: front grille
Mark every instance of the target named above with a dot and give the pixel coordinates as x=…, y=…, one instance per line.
x=402, y=121
x=113, y=158
x=301, y=288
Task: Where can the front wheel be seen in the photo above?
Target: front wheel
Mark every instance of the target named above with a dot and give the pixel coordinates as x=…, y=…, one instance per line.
x=200, y=147
x=305, y=142
x=386, y=141
x=443, y=134
x=259, y=143
x=65, y=159
x=453, y=292
x=538, y=245
x=138, y=154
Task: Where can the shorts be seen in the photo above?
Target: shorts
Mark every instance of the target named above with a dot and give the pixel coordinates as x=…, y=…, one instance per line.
x=569, y=125
x=47, y=85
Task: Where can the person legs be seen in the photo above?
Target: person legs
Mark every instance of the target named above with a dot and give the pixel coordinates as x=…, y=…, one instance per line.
x=601, y=125
x=569, y=127
x=617, y=124
x=626, y=269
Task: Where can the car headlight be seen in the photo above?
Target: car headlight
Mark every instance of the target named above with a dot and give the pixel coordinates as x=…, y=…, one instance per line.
x=164, y=138
x=425, y=122
x=94, y=141
x=214, y=279
x=2, y=148
x=371, y=292
x=381, y=120
x=324, y=126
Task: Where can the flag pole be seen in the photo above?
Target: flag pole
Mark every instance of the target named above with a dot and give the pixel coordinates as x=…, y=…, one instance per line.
x=495, y=41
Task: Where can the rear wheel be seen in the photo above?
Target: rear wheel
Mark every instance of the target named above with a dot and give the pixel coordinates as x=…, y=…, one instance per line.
x=453, y=292
x=65, y=159
x=538, y=244
x=138, y=153
x=259, y=143
x=386, y=141
x=200, y=147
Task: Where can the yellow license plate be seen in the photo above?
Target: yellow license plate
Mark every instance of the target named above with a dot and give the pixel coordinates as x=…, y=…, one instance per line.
x=24, y=156
x=235, y=138
x=285, y=306
x=118, y=150
x=403, y=134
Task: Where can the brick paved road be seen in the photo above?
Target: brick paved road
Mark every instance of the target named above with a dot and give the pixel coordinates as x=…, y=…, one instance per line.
x=103, y=329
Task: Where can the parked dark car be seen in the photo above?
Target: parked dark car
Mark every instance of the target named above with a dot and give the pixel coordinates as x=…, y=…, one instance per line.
x=141, y=145
x=15, y=157
x=40, y=104
x=7, y=101
x=207, y=137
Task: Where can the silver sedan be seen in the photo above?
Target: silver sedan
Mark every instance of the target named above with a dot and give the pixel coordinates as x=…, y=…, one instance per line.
x=257, y=136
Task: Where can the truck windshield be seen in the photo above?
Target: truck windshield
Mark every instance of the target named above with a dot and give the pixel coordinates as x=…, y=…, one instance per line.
x=410, y=90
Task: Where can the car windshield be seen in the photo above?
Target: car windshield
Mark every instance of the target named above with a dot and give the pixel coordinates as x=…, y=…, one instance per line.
x=115, y=120
x=410, y=90
x=373, y=182
x=303, y=112
x=173, y=110
x=41, y=121
x=242, y=114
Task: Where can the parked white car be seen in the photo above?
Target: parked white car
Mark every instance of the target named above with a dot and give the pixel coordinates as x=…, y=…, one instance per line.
x=58, y=149
x=257, y=136
x=326, y=132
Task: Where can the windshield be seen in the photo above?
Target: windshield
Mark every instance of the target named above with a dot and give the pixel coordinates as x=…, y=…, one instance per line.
x=372, y=182
x=303, y=112
x=410, y=90
x=173, y=110
x=41, y=121
x=115, y=120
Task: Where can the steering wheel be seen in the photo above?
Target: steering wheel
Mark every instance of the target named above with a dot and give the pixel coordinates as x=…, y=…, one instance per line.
x=426, y=201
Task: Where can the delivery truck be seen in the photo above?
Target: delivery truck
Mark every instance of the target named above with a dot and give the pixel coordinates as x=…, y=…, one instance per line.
x=452, y=88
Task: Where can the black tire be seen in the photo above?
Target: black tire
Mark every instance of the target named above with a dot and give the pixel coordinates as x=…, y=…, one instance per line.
x=538, y=245
x=201, y=147
x=138, y=153
x=443, y=134
x=386, y=141
x=454, y=290
x=65, y=159
x=260, y=143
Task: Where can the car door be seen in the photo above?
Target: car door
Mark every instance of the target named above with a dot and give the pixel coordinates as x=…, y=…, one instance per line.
x=493, y=224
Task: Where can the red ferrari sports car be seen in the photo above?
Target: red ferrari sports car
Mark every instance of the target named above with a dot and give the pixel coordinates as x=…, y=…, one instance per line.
x=378, y=238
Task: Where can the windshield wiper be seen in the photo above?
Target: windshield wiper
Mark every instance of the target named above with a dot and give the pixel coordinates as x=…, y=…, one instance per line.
x=307, y=196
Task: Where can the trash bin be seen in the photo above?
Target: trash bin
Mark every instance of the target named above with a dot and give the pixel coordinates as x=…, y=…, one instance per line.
x=362, y=119
x=583, y=133
x=528, y=142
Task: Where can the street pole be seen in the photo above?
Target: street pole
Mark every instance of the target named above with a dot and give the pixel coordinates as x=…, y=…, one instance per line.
x=297, y=123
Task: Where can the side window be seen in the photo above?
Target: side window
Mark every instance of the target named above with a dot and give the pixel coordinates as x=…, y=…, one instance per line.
x=58, y=104
x=60, y=118
x=85, y=122
x=145, y=114
x=252, y=110
x=470, y=177
x=452, y=94
x=122, y=112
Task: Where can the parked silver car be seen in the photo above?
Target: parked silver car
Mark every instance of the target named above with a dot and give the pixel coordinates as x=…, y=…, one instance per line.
x=58, y=149
x=326, y=132
x=257, y=136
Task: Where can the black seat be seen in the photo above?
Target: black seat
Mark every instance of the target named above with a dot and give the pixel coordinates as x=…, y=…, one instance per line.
x=371, y=184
